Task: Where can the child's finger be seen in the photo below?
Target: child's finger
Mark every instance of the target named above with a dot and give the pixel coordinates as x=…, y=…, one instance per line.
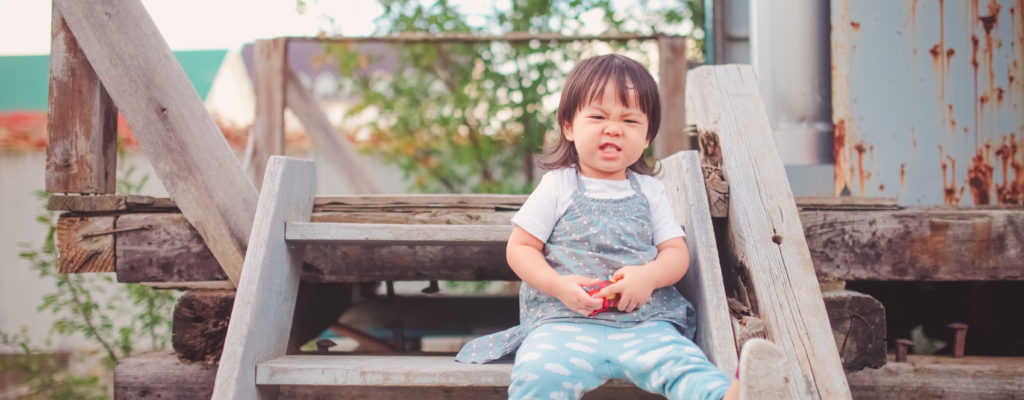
x=615, y=288
x=584, y=281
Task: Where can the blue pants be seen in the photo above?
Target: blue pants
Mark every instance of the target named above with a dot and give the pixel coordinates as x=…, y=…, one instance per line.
x=563, y=360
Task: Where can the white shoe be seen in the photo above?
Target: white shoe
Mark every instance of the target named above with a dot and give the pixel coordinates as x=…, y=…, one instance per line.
x=764, y=374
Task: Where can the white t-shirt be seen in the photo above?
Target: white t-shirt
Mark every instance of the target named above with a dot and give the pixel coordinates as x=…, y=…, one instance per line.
x=551, y=199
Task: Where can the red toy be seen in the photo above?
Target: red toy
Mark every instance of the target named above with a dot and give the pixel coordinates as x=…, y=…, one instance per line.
x=609, y=303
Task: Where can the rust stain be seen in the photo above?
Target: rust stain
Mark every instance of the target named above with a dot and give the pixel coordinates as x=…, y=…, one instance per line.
x=903, y=176
x=1011, y=191
x=860, y=164
x=881, y=188
x=979, y=177
x=855, y=25
x=838, y=148
x=999, y=95
x=950, y=194
x=935, y=51
x=952, y=119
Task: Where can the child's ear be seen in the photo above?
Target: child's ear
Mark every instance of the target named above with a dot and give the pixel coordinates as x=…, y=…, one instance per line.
x=567, y=132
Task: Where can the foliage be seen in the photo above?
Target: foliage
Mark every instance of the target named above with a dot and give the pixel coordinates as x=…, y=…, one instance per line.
x=471, y=116
x=82, y=306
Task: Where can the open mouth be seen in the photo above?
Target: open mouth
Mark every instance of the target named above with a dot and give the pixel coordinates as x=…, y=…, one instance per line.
x=610, y=148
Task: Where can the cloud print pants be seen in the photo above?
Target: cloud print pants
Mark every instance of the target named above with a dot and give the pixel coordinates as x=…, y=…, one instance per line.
x=563, y=360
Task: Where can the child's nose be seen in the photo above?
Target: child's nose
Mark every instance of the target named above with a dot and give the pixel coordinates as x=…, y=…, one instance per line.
x=613, y=129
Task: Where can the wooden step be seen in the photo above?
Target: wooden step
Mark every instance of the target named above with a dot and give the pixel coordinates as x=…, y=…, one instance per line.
x=396, y=234
x=386, y=371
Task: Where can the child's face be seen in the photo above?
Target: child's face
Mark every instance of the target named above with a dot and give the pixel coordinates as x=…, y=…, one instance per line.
x=609, y=136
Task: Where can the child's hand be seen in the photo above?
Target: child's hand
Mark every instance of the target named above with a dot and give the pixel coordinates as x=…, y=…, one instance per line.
x=633, y=285
x=569, y=290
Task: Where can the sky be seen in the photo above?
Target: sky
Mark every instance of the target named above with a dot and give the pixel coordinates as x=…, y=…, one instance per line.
x=201, y=24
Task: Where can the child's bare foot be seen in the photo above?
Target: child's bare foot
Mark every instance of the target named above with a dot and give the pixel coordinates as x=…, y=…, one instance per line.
x=764, y=374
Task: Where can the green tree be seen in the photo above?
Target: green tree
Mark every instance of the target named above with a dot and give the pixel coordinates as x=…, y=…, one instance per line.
x=470, y=116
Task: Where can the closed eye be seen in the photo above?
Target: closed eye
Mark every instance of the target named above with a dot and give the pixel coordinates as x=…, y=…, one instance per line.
x=596, y=117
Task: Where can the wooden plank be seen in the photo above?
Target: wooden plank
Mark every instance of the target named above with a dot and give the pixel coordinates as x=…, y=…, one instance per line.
x=81, y=147
x=941, y=377
x=161, y=374
x=177, y=134
x=109, y=202
x=397, y=234
x=337, y=150
x=82, y=245
x=702, y=285
x=269, y=65
x=672, y=66
x=171, y=250
x=917, y=244
x=764, y=232
x=265, y=302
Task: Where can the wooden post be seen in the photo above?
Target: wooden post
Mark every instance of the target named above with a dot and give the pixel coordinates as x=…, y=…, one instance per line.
x=672, y=73
x=265, y=303
x=81, y=148
x=269, y=66
x=702, y=285
x=764, y=234
x=338, y=151
x=181, y=140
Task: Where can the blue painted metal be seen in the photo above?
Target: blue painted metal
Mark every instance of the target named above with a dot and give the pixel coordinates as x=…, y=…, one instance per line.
x=927, y=100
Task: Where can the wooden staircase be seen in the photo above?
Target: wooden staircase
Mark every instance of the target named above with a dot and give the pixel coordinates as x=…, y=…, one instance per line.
x=254, y=363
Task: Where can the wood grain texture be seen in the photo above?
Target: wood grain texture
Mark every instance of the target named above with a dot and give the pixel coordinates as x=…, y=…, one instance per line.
x=261, y=319
x=270, y=61
x=702, y=284
x=339, y=152
x=917, y=244
x=81, y=147
x=81, y=249
x=177, y=134
x=941, y=377
x=171, y=250
x=672, y=66
x=858, y=326
x=765, y=234
x=398, y=234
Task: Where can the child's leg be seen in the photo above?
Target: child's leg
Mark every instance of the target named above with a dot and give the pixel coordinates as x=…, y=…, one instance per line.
x=658, y=359
x=558, y=361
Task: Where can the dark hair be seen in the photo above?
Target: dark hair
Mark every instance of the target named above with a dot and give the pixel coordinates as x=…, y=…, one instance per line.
x=586, y=83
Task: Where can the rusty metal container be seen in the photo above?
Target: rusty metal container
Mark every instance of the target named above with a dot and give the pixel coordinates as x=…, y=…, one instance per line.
x=927, y=100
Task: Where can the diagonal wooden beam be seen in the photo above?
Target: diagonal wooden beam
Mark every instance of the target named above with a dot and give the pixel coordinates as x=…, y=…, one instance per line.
x=764, y=234
x=338, y=151
x=177, y=134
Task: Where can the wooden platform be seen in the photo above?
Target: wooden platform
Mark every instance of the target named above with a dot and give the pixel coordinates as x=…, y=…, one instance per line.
x=923, y=377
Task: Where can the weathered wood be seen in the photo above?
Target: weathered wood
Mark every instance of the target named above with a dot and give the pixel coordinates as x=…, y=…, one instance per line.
x=337, y=150
x=265, y=301
x=200, y=320
x=941, y=377
x=110, y=202
x=83, y=247
x=858, y=326
x=714, y=178
x=171, y=250
x=200, y=323
x=161, y=374
x=672, y=65
x=398, y=235
x=268, y=78
x=177, y=134
x=81, y=147
x=847, y=203
x=917, y=244
x=764, y=231
x=702, y=284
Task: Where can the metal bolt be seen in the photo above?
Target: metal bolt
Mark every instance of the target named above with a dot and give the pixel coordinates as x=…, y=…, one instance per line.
x=323, y=345
x=960, y=338
x=901, y=349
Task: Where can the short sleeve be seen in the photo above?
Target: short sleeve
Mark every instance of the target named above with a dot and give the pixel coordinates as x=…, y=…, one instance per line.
x=663, y=220
x=540, y=212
